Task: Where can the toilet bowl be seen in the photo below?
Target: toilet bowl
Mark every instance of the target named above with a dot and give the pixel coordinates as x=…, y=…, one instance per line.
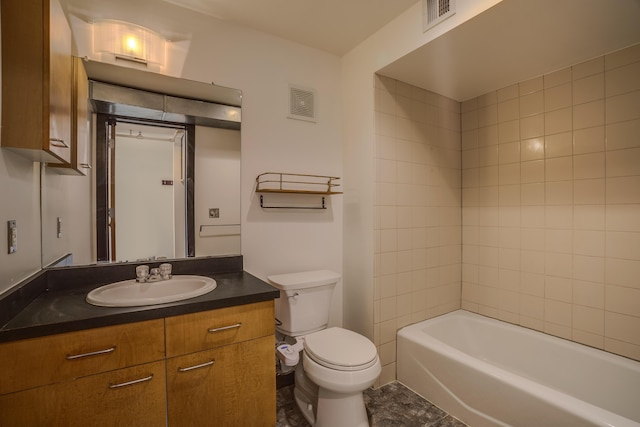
x=336, y=365
x=340, y=364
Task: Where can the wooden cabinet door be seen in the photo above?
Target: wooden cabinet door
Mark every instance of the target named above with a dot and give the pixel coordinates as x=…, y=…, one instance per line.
x=60, y=80
x=228, y=386
x=36, y=79
x=133, y=396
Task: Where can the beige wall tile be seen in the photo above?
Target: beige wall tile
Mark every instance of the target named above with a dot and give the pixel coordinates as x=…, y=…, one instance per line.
x=558, y=121
x=532, y=149
x=623, y=217
x=589, y=191
x=623, y=79
x=623, y=135
x=623, y=107
x=559, y=193
x=559, y=169
x=508, y=92
x=624, y=245
x=622, y=327
x=588, y=319
x=509, y=131
x=623, y=189
x=589, y=140
x=589, y=217
x=509, y=110
x=487, y=115
x=589, y=166
x=623, y=272
x=557, y=97
x=532, y=126
x=532, y=171
x=623, y=348
x=558, y=145
x=588, y=115
x=623, y=162
x=588, y=242
x=587, y=338
x=588, y=294
x=588, y=89
x=557, y=312
x=558, y=288
x=622, y=300
x=487, y=135
x=532, y=104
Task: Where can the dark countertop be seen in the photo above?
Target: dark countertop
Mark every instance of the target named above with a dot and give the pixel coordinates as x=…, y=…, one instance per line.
x=60, y=309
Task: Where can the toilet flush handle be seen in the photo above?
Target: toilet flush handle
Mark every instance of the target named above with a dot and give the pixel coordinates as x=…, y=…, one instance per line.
x=293, y=295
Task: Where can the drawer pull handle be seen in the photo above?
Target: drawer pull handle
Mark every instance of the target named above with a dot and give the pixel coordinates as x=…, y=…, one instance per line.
x=224, y=328
x=93, y=353
x=141, y=380
x=57, y=142
x=202, y=365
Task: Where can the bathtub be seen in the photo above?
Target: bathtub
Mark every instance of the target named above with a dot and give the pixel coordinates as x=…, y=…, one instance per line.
x=489, y=373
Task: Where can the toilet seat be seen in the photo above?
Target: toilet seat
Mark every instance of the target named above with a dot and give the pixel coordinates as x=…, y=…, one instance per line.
x=340, y=349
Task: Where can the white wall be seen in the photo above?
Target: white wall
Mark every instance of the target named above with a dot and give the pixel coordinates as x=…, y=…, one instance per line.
x=263, y=66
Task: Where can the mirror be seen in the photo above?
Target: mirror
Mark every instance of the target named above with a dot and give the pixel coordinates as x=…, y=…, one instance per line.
x=191, y=205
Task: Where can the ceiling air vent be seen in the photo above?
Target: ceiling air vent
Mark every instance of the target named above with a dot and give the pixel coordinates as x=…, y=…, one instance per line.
x=302, y=104
x=436, y=11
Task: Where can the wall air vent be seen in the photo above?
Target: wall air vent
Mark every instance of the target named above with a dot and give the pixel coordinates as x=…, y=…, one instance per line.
x=436, y=11
x=302, y=104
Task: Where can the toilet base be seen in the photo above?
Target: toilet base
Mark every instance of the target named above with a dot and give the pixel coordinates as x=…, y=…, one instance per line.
x=325, y=408
x=340, y=410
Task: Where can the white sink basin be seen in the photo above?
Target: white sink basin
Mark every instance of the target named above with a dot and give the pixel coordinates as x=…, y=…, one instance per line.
x=130, y=293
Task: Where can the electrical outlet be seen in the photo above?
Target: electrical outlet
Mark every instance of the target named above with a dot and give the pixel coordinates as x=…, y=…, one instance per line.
x=214, y=213
x=12, y=234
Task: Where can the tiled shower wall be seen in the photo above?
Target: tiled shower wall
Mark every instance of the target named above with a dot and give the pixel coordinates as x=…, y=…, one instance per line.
x=417, y=211
x=551, y=203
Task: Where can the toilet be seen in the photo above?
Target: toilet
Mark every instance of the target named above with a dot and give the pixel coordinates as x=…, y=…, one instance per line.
x=333, y=366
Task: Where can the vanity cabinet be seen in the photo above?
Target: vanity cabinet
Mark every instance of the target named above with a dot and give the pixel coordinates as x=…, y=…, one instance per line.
x=36, y=80
x=215, y=367
x=221, y=367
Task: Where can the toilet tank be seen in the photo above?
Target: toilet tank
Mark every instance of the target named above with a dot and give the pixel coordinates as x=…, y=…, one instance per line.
x=305, y=299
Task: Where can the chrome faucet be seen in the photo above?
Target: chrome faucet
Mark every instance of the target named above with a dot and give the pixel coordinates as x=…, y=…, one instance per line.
x=144, y=275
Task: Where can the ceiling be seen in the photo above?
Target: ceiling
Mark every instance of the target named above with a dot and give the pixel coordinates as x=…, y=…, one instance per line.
x=335, y=26
x=517, y=40
x=511, y=42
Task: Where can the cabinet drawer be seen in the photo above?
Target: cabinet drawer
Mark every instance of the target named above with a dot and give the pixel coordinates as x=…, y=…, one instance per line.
x=200, y=331
x=46, y=360
x=234, y=385
x=133, y=396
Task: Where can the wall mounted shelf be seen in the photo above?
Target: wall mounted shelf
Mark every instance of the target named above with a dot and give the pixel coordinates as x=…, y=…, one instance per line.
x=292, y=183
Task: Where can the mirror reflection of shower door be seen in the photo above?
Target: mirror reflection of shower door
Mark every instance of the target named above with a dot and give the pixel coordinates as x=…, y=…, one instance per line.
x=144, y=196
x=144, y=189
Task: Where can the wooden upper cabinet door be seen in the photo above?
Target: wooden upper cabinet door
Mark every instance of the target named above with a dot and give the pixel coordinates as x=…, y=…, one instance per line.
x=36, y=80
x=60, y=80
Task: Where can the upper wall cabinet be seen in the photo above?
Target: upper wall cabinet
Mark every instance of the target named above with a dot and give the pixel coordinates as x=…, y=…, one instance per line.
x=36, y=80
x=80, y=125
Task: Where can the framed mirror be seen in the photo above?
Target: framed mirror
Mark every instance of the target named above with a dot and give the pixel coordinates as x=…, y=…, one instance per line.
x=166, y=175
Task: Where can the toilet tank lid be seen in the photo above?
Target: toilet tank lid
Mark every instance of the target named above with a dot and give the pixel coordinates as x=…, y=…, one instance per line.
x=304, y=279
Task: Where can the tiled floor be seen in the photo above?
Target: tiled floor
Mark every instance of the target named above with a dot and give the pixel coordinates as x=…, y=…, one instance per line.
x=388, y=406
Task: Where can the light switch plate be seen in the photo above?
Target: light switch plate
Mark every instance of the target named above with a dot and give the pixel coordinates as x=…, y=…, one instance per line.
x=12, y=234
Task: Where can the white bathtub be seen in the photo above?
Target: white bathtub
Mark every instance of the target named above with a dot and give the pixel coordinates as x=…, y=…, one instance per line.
x=489, y=373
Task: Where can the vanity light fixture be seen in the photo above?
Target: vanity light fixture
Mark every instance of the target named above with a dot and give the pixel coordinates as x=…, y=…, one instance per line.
x=128, y=42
